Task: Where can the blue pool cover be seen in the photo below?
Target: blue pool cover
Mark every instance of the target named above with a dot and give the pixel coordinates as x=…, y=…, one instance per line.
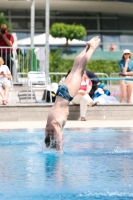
x=97, y=163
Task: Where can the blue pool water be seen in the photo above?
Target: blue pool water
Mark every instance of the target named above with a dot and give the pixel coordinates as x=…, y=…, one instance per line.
x=97, y=163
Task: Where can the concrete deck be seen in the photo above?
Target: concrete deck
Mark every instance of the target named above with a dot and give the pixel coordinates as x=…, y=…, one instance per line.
x=69, y=124
x=39, y=112
x=34, y=115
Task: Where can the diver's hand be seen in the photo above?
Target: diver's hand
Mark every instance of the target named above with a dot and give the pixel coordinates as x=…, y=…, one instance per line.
x=59, y=146
x=59, y=142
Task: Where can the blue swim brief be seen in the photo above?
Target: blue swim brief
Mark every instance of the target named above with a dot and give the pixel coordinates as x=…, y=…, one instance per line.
x=63, y=92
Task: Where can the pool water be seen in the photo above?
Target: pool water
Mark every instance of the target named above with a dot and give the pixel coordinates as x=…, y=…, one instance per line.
x=97, y=163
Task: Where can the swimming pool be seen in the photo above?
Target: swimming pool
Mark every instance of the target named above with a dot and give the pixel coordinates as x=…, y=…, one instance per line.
x=97, y=163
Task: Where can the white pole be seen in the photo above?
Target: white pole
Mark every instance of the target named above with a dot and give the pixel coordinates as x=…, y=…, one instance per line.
x=47, y=10
x=32, y=22
x=32, y=30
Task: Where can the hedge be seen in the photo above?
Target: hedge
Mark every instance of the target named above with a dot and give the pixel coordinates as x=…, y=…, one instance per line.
x=59, y=64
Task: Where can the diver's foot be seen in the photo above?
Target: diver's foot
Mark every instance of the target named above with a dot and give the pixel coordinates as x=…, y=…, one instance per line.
x=93, y=43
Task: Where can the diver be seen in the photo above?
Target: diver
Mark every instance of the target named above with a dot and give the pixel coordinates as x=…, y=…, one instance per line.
x=58, y=114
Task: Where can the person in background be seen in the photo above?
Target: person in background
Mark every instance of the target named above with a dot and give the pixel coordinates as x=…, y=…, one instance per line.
x=91, y=75
x=63, y=79
x=112, y=47
x=2, y=95
x=82, y=97
x=6, y=40
x=5, y=75
x=126, y=71
x=58, y=114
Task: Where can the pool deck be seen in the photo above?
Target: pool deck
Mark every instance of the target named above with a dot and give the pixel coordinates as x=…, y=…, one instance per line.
x=30, y=115
x=69, y=124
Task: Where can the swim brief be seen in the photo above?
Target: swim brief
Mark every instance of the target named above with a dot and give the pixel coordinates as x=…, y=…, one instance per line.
x=63, y=92
x=127, y=82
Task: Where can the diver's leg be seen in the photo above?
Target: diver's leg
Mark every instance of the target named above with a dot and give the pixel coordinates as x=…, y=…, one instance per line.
x=73, y=80
x=78, y=58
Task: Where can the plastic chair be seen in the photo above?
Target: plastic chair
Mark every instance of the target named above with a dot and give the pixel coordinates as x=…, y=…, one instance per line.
x=26, y=95
x=38, y=80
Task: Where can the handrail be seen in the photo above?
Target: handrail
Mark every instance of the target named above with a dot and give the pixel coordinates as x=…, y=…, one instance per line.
x=113, y=79
x=22, y=76
x=115, y=74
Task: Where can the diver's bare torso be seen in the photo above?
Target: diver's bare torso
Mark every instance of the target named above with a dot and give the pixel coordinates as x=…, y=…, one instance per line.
x=59, y=112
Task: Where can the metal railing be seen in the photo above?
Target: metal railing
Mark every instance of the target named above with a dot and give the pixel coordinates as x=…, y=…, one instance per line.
x=57, y=76
x=25, y=59
x=114, y=84
x=22, y=60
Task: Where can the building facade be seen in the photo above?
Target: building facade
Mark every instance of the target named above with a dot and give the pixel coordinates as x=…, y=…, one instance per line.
x=112, y=20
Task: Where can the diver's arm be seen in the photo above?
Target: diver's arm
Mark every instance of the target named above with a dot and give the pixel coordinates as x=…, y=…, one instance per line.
x=59, y=142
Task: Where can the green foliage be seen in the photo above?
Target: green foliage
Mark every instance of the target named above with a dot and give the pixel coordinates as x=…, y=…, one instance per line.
x=103, y=66
x=24, y=62
x=76, y=32
x=58, y=30
x=59, y=64
x=3, y=21
x=68, y=31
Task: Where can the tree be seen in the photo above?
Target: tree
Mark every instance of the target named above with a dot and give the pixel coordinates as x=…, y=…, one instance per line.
x=3, y=21
x=68, y=31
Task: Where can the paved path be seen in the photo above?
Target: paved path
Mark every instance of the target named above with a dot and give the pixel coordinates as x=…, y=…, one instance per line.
x=69, y=124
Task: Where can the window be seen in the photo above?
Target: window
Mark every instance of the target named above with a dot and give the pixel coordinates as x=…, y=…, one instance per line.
x=108, y=15
x=127, y=41
x=89, y=24
x=40, y=13
x=20, y=23
x=18, y=12
x=22, y=35
x=40, y=24
x=4, y=11
x=107, y=40
x=69, y=21
x=71, y=14
x=125, y=23
x=108, y=24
